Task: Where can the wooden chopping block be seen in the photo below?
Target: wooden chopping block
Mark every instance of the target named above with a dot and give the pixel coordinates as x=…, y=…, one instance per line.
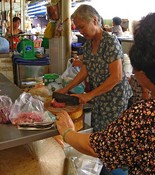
x=75, y=112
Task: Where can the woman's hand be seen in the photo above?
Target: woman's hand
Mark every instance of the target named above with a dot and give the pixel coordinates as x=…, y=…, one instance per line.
x=77, y=140
x=64, y=122
x=83, y=98
x=77, y=62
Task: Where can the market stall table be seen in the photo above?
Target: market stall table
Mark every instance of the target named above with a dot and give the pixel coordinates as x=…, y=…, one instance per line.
x=10, y=136
x=126, y=42
x=126, y=38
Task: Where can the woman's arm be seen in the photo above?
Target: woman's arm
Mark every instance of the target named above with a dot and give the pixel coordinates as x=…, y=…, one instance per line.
x=79, y=141
x=8, y=34
x=115, y=77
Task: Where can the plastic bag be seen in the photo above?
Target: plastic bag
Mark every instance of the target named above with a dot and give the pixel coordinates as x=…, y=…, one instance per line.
x=71, y=71
x=4, y=45
x=69, y=75
x=88, y=166
x=40, y=92
x=53, y=11
x=49, y=31
x=27, y=109
x=5, y=107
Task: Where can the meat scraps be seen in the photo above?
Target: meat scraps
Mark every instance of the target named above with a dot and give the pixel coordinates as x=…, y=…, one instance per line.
x=56, y=104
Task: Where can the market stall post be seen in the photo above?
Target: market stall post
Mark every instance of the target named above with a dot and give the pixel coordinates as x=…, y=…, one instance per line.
x=11, y=24
x=60, y=46
x=22, y=12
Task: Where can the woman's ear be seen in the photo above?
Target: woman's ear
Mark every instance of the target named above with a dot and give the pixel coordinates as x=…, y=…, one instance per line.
x=95, y=21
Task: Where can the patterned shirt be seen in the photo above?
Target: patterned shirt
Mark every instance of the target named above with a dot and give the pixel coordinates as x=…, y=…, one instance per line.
x=111, y=104
x=117, y=30
x=129, y=140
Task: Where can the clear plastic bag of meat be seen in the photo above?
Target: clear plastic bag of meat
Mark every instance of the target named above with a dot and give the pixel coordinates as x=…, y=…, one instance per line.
x=28, y=109
x=5, y=107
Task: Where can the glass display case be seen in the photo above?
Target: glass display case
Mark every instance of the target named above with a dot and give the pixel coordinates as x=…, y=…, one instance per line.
x=28, y=73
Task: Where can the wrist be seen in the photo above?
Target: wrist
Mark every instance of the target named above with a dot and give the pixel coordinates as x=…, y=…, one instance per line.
x=91, y=95
x=66, y=133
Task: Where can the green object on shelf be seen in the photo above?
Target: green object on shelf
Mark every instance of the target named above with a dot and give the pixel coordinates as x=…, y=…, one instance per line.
x=26, y=49
x=48, y=78
x=45, y=43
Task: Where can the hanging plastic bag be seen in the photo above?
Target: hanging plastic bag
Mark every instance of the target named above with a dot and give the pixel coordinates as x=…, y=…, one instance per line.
x=69, y=74
x=5, y=107
x=27, y=109
x=53, y=11
x=49, y=31
x=4, y=45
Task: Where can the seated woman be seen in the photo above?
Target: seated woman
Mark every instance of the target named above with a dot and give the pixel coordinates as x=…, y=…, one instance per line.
x=117, y=29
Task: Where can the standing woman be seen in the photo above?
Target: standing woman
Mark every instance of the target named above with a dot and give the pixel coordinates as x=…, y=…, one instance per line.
x=15, y=32
x=129, y=140
x=103, y=67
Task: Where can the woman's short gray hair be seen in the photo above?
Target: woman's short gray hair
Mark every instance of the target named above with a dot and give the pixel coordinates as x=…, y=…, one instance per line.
x=86, y=12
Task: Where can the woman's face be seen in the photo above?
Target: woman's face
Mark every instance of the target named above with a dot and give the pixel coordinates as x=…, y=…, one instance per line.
x=16, y=24
x=87, y=29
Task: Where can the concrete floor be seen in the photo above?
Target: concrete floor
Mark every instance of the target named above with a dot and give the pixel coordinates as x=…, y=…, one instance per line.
x=44, y=157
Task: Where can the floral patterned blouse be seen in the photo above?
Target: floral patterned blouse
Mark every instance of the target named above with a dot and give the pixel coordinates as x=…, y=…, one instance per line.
x=129, y=140
x=108, y=106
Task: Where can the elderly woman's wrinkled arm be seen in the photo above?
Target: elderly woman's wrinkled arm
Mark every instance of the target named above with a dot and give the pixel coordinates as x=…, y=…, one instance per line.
x=115, y=77
x=79, y=141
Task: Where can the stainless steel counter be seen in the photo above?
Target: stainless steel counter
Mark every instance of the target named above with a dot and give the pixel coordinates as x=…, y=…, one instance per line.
x=10, y=136
x=126, y=39
x=8, y=88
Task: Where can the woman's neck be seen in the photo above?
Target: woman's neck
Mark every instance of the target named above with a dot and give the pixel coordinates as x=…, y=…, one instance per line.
x=16, y=31
x=98, y=35
x=96, y=41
